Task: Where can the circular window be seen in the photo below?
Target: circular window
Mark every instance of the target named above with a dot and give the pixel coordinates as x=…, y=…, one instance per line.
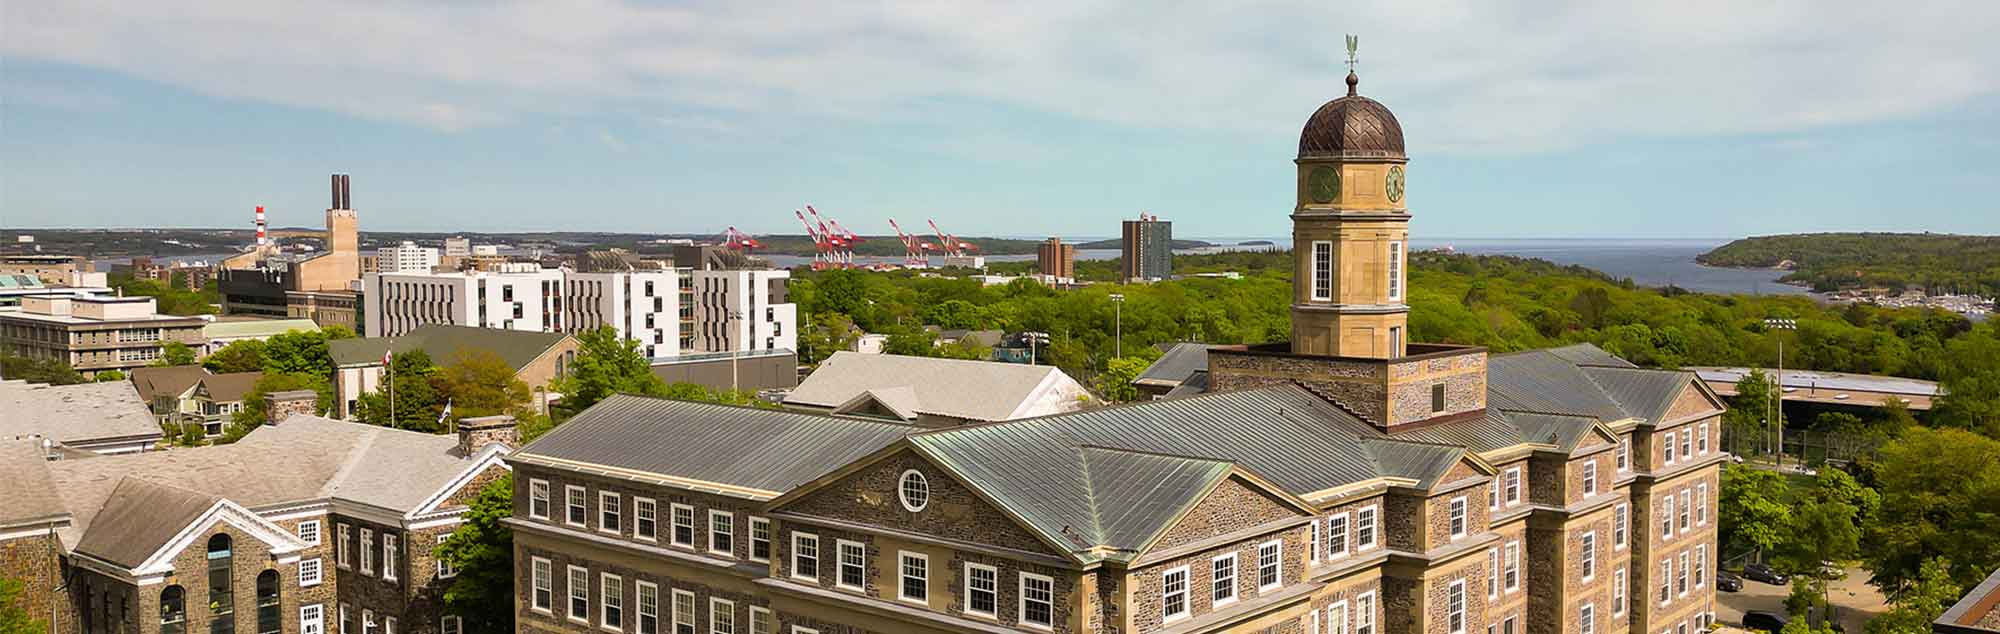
x=914, y=490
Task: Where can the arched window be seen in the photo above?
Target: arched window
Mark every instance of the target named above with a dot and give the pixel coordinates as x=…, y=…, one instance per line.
x=173, y=610
x=267, y=603
x=221, y=597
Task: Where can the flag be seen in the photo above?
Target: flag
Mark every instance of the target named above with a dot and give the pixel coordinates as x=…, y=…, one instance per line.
x=386, y=357
x=446, y=413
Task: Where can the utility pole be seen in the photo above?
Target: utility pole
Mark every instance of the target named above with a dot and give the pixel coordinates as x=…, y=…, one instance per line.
x=1781, y=324
x=1118, y=324
x=732, y=316
x=1034, y=339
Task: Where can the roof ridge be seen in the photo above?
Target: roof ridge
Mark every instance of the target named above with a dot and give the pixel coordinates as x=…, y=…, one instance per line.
x=1329, y=398
x=1518, y=410
x=353, y=459
x=1092, y=410
x=1090, y=498
x=1157, y=454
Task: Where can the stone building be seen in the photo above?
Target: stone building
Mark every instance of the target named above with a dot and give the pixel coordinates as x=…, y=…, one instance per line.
x=1346, y=482
x=305, y=526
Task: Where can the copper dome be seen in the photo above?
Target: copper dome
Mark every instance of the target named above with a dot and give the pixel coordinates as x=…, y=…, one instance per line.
x=1352, y=127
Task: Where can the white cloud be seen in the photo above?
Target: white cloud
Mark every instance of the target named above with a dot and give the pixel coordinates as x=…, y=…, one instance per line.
x=1465, y=76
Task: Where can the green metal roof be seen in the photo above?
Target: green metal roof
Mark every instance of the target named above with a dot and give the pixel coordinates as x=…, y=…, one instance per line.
x=517, y=347
x=254, y=328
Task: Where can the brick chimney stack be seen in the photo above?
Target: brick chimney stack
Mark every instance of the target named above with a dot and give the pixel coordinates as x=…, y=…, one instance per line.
x=475, y=434
x=279, y=406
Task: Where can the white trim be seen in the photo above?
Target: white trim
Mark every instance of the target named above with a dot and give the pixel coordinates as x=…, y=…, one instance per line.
x=900, y=497
x=1312, y=279
x=581, y=496
x=1364, y=613
x=1620, y=535
x=674, y=621
x=967, y=590
x=818, y=556
x=769, y=543
x=674, y=525
x=1464, y=607
x=318, y=531
x=730, y=551
x=1021, y=592
x=491, y=455
x=1374, y=513
x=1458, y=510
x=1588, y=558
x=453, y=520
x=903, y=577
x=443, y=565
x=1339, y=625
x=1187, y=598
x=546, y=609
x=840, y=564
x=548, y=495
x=718, y=605
x=1513, y=487
x=318, y=574
x=640, y=502
x=606, y=582
x=569, y=593
x=1701, y=504
x=617, y=506
x=1398, y=270
x=639, y=588
x=1279, y=578
x=1346, y=536
x=1493, y=572
x=769, y=617
x=1621, y=590
x=1510, y=567
x=282, y=542
x=1235, y=574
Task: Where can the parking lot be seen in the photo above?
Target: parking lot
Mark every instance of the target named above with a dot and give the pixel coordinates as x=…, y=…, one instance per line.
x=1854, y=601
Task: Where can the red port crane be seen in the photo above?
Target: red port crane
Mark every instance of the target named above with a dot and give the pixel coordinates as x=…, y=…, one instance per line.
x=913, y=247
x=738, y=241
x=822, y=247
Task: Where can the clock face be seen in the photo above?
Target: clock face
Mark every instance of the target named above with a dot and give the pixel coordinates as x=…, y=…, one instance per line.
x=1395, y=183
x=1323, y=184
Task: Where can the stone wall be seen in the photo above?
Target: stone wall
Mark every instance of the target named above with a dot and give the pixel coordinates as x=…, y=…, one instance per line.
x=953, y=512
x=35, y=562
x=1437, y=515
x=1411, y=380
x=1361, y=385
x=1145, y=598
x=249, y=558
x=1233, y=506
x=664, y=498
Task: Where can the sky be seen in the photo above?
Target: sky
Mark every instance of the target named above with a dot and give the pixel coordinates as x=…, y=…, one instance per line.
x=1524, y=119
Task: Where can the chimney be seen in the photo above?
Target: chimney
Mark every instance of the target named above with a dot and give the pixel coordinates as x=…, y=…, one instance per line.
x=279, y=406
x=475, y=434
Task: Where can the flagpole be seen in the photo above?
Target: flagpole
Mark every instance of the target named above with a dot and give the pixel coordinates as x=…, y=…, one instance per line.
x=391, y=369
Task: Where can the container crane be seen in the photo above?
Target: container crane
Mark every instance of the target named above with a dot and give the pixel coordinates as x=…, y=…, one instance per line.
x=913, y=247
x=822, y=248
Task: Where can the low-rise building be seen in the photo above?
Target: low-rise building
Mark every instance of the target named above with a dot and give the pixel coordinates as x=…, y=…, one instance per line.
x=406, y=257
x=95, y=334
x=936, y=392
x=1978, y=612
x=231, y=329
x=751, y=371
x=536, y=357
x=50, y=269
x=106, y=418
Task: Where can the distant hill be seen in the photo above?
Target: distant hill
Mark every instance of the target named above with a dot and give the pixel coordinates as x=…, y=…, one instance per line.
x=1833, y=261
x=1116, y=243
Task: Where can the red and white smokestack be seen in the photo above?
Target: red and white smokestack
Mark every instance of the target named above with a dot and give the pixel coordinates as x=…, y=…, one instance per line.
x=262, y=239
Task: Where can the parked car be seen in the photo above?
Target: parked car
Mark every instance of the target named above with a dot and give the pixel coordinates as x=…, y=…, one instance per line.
x=1762, y=620
x=1728, y=582
x=1764, y=573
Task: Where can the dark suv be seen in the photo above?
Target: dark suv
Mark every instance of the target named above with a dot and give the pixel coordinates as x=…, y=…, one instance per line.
x=1764, y=573
x=1766, y=621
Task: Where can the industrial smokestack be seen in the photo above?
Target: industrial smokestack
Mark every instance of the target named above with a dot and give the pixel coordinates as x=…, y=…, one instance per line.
x=346, y=192
x=262, y=238
x=335, y=204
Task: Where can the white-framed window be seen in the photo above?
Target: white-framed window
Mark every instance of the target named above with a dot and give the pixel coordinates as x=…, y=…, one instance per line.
x=646, y=519
x=542, y=575
x=683, y=612
x=683, y=525
x=853, y=565
x=1364, y=528
x=760, y=539
x=916, y=577
x=1590, y=477
x=538, y=499
x=389, y=551
x=1457, y=517
x=340, y=536
x=450, y=625
x=574, y=512
x=1667, y=450
x=1322, y=270
x=1701, y=504
x=1687, y=506
x=1667, y=515
x=309, y=532
x=1336, y=618
x=805, y=556
x=1624, y=454
x=368, y=623
x=1511, y=570
x=1174, y=594
x=309, y=572
x=1621, y=523
x=762, y=621
x=1223, y=576
x=1588, y=557
x=1618, y=589
x=1364, y=613
x=1038, y=595
x=721, y=616
x=913, y=490
x=1270, y=565
x=610, y=512
x=579, y=594
x=1586, y=619
x=367, y=551
x=444, y=568
x=722, y=533
x=1666, y=580
x=1700, y=565
x=1336, y=536
x=1701, y=439
x=1395, y=270
x=1493, y=495
x=389, y=625
x=312, y=619
x=1681, y=576
x=1313, y=539
x=1687, y=444
x=1513, y=486
x=649, y=608
x=611, y=601
x=1492, y=573
x=1454, y=607
x=982, y=590
x=1396, y=351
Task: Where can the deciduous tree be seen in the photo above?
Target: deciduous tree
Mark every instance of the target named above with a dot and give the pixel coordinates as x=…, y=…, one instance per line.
x=606, y=364
x=239, y=356
x=480, y=383
x=1751, y=509
x=14, y=619
x=1940, y=493
x=482, y=551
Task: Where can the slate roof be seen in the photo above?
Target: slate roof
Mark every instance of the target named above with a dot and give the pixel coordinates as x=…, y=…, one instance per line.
x=31, y=496
x=517, y=347
x=1581, y=380
x=153, y=382
x=971, y=390
x=76, y=414
x=139, y=517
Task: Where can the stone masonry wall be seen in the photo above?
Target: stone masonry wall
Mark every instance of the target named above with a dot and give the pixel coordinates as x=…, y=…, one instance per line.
x=1360, y=385
x=34, y=561
x=1437, y=511
x=1146, y=593
x=1233, y=506
x=954, y=511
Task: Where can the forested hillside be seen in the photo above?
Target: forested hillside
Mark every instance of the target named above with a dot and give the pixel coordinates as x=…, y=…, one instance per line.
x=1832, y=261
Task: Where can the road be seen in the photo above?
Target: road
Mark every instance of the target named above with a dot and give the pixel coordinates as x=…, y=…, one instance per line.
x=1853, y=600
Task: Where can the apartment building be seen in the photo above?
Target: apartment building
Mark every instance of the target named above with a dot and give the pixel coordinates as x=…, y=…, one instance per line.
x=396, y=303
x=406, y=257
x=743, y=310
x=642, y=305
x=1345, y=482
x=656, y=307
x=94, y=334
x=305, y=526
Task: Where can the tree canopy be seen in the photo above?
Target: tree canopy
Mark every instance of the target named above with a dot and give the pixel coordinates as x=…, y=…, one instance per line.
x=1940, y=498
x=606, y=364
x=482, y=551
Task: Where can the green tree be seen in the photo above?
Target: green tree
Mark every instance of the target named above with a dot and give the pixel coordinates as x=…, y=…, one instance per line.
x=1940, y=498
x=416, y=403
x=966, y=348
x=606, y=365
x=950, y=314
x=824, y=335
x=108, y=376
x=480, y=383
x=839, y=291
x=253, y=413
x=49, y=371
x=1822, y=535
x=482, y=550
x=302, y=351
x=1751, y=509
x=1115, y=384
x=246, y=355
x=914, y=343
x=1971, y=382
x=1921, y=604
x=175, y=353
x=14, y=619
x=1748, y=410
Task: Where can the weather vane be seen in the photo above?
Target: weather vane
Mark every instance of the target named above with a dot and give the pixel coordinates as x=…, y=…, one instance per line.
x=1353, y=43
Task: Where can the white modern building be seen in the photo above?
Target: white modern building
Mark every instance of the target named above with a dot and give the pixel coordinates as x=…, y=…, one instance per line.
x=646, y=306
x=396, y=303
x=406, y=258
x=457, y=246
x=744, y=309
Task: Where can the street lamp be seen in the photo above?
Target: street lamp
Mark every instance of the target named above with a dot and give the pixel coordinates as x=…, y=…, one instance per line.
x=1034, y=339
x=1781, y=324
x=731, y=315
x=1118, y=324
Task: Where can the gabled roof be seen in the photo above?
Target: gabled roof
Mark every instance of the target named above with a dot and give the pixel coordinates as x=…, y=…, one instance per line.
x=1581, y=380
x=230, y=387
x=970, y=390
x=76, y=414
x=154, y=382
x=899, y=402
x=443, y=343
x=1179, y=362
x=1500, y=429
x=31, y=496
x=140, y=517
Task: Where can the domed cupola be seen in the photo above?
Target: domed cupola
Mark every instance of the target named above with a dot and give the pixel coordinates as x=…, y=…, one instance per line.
x=1352, y=127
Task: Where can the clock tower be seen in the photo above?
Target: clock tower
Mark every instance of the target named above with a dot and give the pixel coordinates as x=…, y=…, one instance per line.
x=1350, y=232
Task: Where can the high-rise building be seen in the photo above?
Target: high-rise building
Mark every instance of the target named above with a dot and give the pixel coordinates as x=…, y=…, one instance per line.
x=1056, y=260
x=1147, y=250
x=457, y=246
x=1350, y=484
x=405, y=258
x=743, y=310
